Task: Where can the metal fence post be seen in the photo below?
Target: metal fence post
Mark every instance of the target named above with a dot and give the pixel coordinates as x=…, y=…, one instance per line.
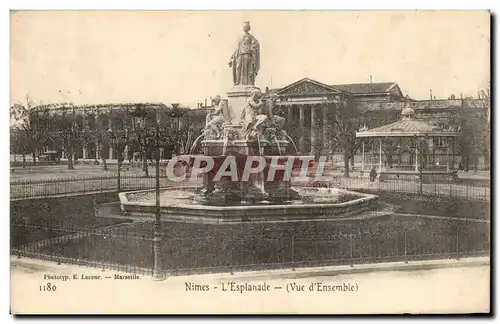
x=405, y=246
x=350, y=248
x=465, y=235
x=293, y=253
x=241, y=251
x=282, y=250
x=231, y=261
x=118, y=177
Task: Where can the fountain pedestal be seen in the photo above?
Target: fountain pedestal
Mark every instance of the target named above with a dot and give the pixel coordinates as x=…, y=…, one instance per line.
x=227, y=190
x=271, y=184
x=230, y=141
x=237, y=97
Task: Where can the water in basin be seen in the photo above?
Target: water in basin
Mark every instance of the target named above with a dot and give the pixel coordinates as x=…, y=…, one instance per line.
x=308, y=195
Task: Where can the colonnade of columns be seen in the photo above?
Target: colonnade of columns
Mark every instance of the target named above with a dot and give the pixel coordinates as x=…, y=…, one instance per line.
x=89, y=152
x=317, y=132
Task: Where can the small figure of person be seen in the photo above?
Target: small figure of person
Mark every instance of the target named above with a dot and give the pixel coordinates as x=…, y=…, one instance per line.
x=373, y=174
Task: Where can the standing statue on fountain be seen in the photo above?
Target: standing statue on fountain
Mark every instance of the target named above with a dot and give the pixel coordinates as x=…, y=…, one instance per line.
x=245, y=60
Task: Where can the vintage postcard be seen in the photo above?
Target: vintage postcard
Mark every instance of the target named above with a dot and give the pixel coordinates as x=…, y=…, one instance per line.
x=250, y=162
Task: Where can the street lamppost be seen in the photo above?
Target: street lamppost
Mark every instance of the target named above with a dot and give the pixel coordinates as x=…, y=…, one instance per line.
x=152, y=140
x=363, y=129
x=420, y=158
x=177, y=113
x=155, y=140
x=119, y=139
x=157, y=273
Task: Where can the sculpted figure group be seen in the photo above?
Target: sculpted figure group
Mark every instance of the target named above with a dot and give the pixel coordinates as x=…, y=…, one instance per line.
x=258, y=118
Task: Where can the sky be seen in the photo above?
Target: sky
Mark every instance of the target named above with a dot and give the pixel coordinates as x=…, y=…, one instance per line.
x=90, y=57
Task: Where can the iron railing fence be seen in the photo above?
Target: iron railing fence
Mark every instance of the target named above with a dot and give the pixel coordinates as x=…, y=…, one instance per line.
x=472, y=191
x=201, y=248
x=31, y=189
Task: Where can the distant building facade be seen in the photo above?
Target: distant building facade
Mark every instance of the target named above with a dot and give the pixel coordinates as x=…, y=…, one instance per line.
x=305, y=104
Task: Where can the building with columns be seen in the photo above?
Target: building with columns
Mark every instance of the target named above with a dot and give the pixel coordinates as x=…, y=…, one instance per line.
x=308, y=106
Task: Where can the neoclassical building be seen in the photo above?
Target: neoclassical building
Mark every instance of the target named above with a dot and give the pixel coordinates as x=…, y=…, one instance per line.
x=307, y=103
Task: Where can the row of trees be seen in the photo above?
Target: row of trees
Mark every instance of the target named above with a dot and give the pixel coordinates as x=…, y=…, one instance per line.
x=68, y=130
x=474, y=120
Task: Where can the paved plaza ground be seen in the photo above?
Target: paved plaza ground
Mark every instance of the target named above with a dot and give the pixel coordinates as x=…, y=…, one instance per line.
x=443, y=287
x=51, y=172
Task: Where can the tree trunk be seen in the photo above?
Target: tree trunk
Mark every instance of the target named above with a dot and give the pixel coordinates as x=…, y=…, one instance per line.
x=120, y=150
x=103, y=158
x=389, y=160
x=70, y=159
x=145, y=164
x=24, y=160
x=104, y=164
x=118, y=159
x=346, y=165
x=33, y=154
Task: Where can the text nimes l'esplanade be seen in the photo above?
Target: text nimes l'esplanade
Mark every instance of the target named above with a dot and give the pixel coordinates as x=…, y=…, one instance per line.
x=291, y=287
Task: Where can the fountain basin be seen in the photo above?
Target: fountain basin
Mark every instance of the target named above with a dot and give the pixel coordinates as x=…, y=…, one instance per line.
x=181, y=205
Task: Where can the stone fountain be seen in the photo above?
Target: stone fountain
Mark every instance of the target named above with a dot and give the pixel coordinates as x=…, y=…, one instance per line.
x=243, y=128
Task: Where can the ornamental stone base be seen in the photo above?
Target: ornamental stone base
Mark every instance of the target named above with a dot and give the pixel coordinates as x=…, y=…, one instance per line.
x=238, y=96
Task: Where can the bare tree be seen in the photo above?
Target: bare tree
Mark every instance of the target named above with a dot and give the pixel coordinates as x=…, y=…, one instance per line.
x=67, y=134
x=185, y=132
x=28, y=130
x=345, y=120
x=474, y=122
x=101, y=138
